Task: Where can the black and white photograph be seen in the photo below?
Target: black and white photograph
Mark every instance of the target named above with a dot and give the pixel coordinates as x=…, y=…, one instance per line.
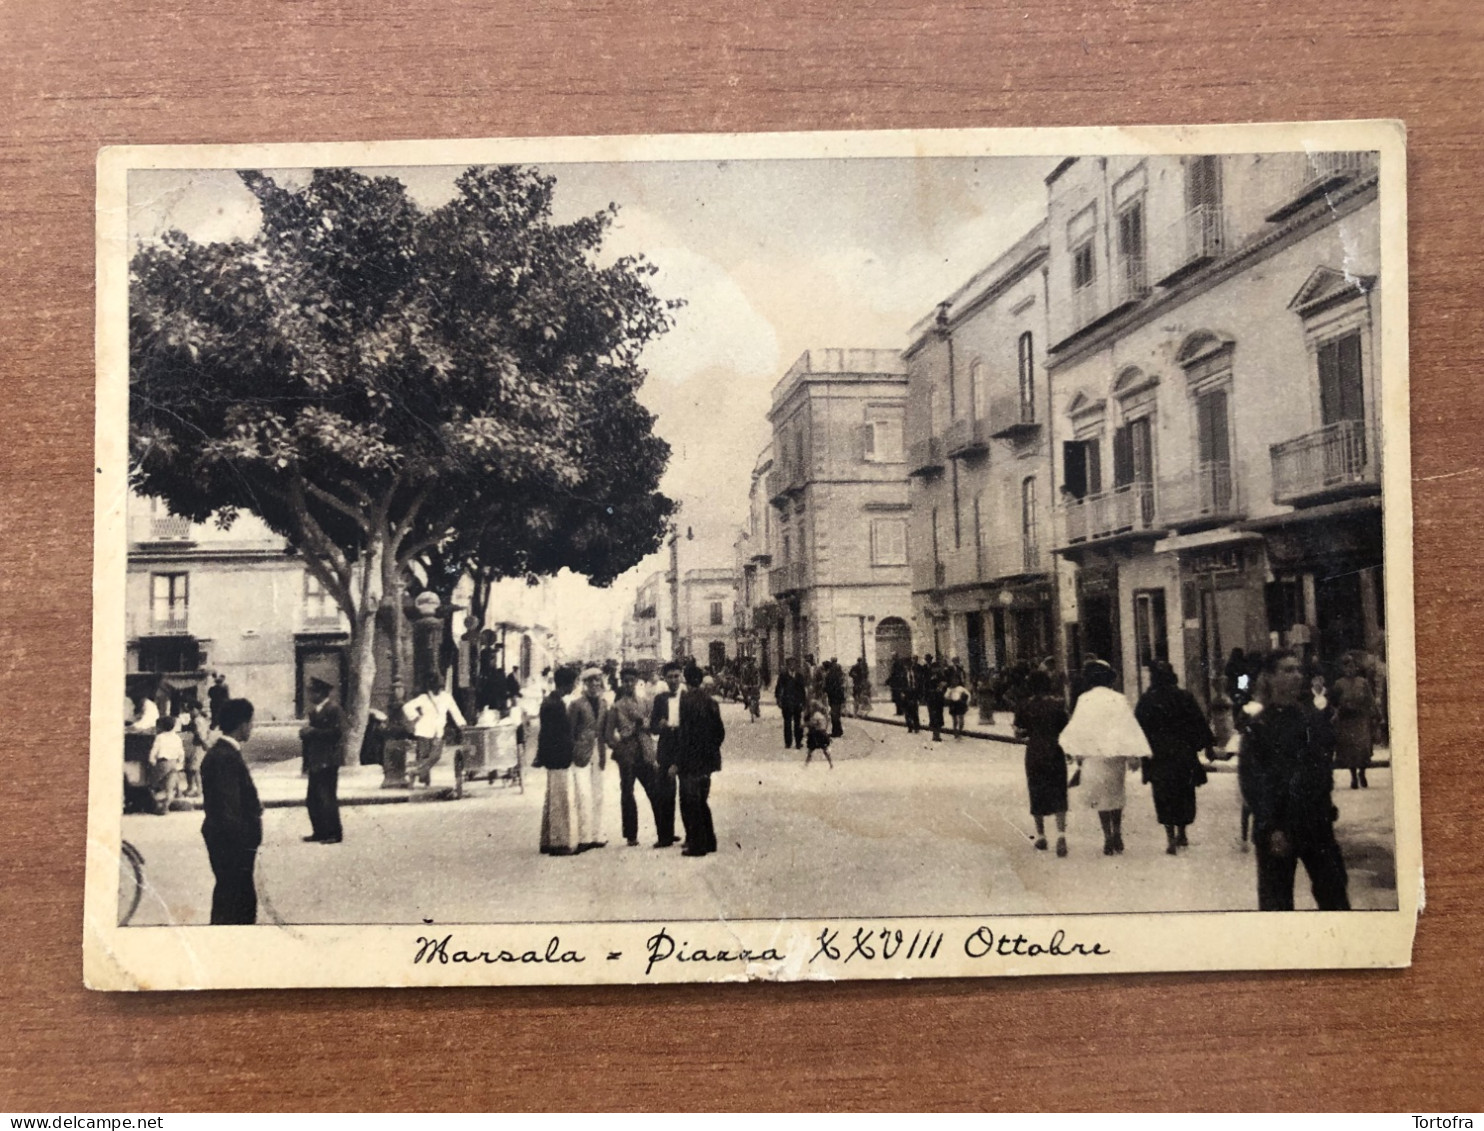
x=775, y=557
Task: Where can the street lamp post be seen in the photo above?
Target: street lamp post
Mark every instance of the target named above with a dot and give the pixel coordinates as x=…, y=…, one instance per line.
x=674, y=534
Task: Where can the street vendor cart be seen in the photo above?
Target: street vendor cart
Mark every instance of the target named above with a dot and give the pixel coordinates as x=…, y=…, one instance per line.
x=490, y=752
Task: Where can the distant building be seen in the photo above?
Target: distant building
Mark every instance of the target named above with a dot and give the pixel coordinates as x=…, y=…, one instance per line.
x=984, y=580
x=646, y=625
x=838, y=486
x=755, y=610
x=706, y=626
x=200, y=599
x=1214, y=360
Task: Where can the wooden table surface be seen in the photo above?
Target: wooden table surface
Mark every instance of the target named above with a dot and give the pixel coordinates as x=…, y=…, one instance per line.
x=76, y=76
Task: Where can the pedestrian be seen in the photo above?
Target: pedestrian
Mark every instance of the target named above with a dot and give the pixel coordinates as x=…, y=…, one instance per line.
x=1106, y=740
x=817, y=725
x=1177, y=731
x=588, y=713
x=198, y=743
x=664, y=727
x=1040, y=720
x=834, y=693
x=217, y=695
x=233, y=828
x=428, y=715
x=896, y=682
x=625, y=734
x=912, y=696
x=1354, y=713
x=697, y=757
x=860, y=688
x=936, y=691
x=957, y=698
x=321, y=738
x=791, y=694
x=166, y=762
x=560, y=834
x=146, y=718
x=1287, y=780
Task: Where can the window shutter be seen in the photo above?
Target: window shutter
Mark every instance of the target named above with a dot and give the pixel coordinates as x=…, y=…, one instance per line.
x=868, y=441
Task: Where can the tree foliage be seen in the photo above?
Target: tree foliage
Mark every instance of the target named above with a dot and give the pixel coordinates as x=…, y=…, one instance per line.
x=380, y=382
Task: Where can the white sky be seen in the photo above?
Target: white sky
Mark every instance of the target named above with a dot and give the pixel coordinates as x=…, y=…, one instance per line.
x=772, y=258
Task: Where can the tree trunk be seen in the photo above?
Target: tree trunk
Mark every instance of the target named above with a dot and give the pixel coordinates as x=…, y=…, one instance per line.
x=362, y=676
x=392, y=587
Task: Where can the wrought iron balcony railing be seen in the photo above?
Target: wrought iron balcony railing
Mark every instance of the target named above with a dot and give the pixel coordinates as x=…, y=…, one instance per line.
x=1122, y=512
x=967, y=437
x=1207, y=494
x=1335, y=460
x=788, y=578
x=1308, y=176
x=1193, y=240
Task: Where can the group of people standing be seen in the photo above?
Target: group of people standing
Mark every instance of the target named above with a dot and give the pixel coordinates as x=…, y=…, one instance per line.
x=1287, y=751
x=669, y=750
x=940, y=686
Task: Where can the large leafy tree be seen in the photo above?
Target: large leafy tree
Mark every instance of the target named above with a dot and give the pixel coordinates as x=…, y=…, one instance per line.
x=384, y=384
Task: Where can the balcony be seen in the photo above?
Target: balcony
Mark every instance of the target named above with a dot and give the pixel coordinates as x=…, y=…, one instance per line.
x=169, y=528
x=1334, y=461
x=784, y=480
x=762, y=558
x=1130, y=282
x=645, y=612
x=966, y=438
x=1206, y=495
x=925, y=457
x=1124, y=513
x=1010, y=416
x=1192, y=241
x=173, y=622
x=789, y=578
x=1087, y=308
x=1311, y=175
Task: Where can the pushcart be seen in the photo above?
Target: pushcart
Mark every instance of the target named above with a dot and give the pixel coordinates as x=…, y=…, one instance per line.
x=489, y=752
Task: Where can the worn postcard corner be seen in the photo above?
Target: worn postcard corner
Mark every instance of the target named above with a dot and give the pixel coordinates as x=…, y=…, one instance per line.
x=753, y=557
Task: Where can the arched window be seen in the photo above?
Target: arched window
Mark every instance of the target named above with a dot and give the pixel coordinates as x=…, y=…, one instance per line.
x=1026, y=367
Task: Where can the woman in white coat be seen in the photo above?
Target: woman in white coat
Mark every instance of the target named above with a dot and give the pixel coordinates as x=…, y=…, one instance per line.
x=1106, y=741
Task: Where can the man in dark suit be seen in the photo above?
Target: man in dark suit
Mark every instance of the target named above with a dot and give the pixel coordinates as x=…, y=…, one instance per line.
x=322, y=735
x=791, y=695
x=233, y=828
x=697, y=757
x=664, y=724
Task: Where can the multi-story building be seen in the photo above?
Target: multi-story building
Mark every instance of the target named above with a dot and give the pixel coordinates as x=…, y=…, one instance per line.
x=200, y=599
x=646, y=626
x=706, y=618
x=984, y=580
x=754, y=606
x=838, y=485
x=1214, y=356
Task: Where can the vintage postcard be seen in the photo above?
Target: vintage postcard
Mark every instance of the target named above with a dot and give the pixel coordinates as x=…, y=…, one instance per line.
x=798, y=556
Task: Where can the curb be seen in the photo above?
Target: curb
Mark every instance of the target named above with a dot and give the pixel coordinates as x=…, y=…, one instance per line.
x=441, y=793
x=892, y=721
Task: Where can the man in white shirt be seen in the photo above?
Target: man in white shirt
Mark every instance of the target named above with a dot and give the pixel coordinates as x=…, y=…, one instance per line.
x=428, y=715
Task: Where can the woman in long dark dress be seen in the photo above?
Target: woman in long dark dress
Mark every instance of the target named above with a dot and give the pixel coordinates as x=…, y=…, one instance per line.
x=1177, y=730
x=1355, y=707
x=1040, y=719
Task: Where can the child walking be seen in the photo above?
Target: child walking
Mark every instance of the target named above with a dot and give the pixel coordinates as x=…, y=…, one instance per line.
x=818, y=736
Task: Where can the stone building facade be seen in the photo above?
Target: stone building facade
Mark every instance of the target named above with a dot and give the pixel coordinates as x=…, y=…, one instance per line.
x=1215, y=344
x=838, y=487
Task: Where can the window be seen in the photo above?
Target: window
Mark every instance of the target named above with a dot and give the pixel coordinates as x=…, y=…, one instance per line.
x=169, y=599
x=1084, y=268
x=1132, y=279
x=1026, y=365
x=319, y=605
x=1213, y=452
x=883, y=436
x=716, y=612
x=976, y=390
x=1082, y=468
x=1028, y=535
x=1341, y=388
x=889, y=542
x=1133, y=465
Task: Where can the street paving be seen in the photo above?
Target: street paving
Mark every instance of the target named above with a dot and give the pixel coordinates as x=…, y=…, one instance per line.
x=900, y=827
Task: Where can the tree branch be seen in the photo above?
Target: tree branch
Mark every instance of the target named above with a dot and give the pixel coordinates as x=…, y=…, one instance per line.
x=336, y=503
